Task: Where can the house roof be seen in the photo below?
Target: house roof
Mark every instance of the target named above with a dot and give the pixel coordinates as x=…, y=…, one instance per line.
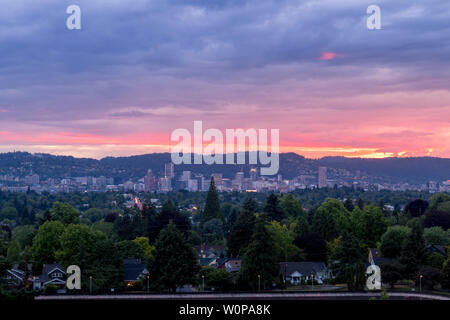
x=133, y=269
x=304, y=268
x=207, y=261
x=438, y=249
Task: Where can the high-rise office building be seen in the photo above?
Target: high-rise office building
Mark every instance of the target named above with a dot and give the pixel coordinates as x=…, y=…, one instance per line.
x=169, y=170
x=322, y=177
x=150, y=181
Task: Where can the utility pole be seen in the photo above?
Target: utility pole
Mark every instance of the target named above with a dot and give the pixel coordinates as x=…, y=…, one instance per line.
x=259, y=282
x=90, y=284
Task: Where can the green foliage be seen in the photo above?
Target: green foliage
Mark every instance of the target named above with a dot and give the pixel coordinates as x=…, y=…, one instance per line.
x=273, y=208
x=8, y=213
x=47, y=242
x=24, y=234
x=50, y=289
x=329, y=216
x=212, y=230
x=384, y=295
x=14, y=251
x=260, y=258
x=78, y=245
x=435, y=260
x=94, y=214
x=130, y=249
x=392, y=241
x=413, y=250
x=347, y=257
x=283, y=239
x=392, y=272
x=175, y=260
x=212, y=206
x=147, y=249
x=219, y=279
x=64, y=213
x=436, y=235
x=241, y=233
x=291, y=207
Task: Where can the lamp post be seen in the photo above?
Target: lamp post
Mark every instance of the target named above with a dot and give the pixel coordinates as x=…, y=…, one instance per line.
x=203, y=282
x=420, y=282
x=259, y=282
x=90, y=284
x=312, y=282
x=148, y=278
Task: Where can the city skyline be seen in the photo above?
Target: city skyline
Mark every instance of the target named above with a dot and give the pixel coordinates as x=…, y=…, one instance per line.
x=133, y=74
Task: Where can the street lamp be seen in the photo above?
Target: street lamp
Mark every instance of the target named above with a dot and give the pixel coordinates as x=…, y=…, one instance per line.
x=90, y=284
x=420, y=282
x=203, y=282
x=259, y=282
x=312, y=282
x=148, y=278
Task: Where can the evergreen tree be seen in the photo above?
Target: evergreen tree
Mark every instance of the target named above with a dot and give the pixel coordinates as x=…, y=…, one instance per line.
x=175, y=260
x=260, y=258
x=348, y=204
x=241, y=233
x=413, y=250
x=212, y=206
x=273, y=209
x=250, y=205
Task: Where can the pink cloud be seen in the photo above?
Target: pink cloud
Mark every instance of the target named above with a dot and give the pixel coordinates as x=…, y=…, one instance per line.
x=329, y=55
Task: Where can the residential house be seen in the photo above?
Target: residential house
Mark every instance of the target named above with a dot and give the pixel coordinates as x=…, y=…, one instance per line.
x=210, y=251
x=295, y=272
x=437, y=249
x=134, y=271
x=51, y=274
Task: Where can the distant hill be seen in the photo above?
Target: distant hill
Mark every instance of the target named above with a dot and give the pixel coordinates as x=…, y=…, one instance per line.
x=413, y=170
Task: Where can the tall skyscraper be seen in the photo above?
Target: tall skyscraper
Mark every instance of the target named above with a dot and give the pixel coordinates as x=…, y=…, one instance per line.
x=322, y=177
x=169, y=170
x=150, y=181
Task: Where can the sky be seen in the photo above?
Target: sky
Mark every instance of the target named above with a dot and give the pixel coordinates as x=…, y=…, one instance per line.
x=138, y=69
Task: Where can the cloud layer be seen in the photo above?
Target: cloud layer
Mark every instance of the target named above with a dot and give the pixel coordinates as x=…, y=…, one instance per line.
x=139, y=69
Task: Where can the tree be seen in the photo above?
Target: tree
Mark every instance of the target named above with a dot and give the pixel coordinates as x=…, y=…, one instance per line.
x=436, y=235
x=77, y=245
x=130, y=249
x=283, y=238
x=219, y=279
x=291, y=207
x=14, y=251
x=260, y=258
x=436, y=218
x=413, y=251
x=175, y=260
x=314, y=246
x=212, y=230
x=47, y=242
x=94, y=214
x=327, y=216
x=241, y=233
x=348, y=204
x=9, y=213
x=273, y=209
x=431, y=277
x=391, y=272
x=348, y=257
x=168, y=213
x=212, y=205
x=374, y=225
x=392, y=241
x=416, y=208
x=147, y=249
x=250, y=205
x=24, y=234
x=64, y=213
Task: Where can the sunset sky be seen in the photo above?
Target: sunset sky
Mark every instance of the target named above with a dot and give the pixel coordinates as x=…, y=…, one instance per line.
x=139, y=69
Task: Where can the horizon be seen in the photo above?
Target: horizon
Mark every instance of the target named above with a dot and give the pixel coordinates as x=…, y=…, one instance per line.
x=168, y=153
